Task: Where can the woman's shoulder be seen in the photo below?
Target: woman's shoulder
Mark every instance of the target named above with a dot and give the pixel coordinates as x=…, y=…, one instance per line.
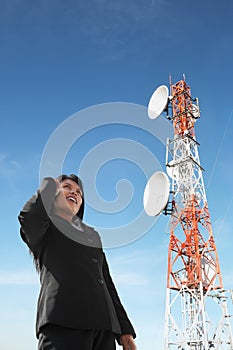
x=90, y=229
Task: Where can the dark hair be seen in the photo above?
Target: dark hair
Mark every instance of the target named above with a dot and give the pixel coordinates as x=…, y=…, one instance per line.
x=78, y=181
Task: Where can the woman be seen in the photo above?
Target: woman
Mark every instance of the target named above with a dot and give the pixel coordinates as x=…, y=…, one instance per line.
x=78, y=305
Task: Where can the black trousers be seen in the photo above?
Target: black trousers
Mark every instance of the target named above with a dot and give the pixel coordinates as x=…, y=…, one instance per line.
x=59, y=338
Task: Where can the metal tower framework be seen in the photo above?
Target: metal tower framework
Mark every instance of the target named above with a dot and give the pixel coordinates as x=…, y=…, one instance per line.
x=196, y=304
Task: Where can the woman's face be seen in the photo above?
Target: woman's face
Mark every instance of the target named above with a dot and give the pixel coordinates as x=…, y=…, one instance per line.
x=69, y=197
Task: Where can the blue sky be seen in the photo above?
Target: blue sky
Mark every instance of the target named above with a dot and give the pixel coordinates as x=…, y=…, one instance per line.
x=58, y=58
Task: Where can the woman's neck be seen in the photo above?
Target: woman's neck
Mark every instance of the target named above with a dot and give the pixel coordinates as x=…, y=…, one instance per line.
x=64, y=215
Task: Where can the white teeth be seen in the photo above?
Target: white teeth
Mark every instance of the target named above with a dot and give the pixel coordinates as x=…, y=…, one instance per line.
x=72, y=199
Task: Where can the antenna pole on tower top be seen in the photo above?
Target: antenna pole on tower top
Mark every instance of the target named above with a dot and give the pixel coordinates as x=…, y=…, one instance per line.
x=170, y=82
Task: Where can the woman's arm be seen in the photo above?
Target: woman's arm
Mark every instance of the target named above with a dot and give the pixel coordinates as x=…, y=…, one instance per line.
x=33, y=218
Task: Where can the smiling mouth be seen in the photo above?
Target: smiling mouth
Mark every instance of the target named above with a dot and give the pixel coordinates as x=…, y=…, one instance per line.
x=71, y=199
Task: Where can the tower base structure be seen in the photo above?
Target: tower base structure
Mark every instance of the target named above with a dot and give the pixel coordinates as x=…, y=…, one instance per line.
x=198, y=321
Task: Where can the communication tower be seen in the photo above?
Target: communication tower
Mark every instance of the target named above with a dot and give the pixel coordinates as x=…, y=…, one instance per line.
x=196, y=316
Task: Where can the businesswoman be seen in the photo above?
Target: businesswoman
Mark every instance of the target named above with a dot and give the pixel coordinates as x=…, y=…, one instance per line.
x=78, y=305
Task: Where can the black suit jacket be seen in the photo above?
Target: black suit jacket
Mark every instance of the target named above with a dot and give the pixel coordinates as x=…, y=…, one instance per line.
x=76, y=287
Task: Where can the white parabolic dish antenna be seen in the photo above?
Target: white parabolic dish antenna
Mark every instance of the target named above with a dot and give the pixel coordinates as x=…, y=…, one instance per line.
x=172, y=170
x=156, y=194
x=195, y=112
x=158, y=102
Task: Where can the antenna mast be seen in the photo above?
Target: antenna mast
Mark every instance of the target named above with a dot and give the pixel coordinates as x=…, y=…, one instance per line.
x=196, y=304
x=196, y=309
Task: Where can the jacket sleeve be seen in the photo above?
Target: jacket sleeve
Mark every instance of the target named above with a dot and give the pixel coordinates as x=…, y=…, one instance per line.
x=33, y=218
x=126, y=326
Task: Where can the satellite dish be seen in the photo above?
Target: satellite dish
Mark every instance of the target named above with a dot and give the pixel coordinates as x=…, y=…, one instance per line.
x=195, y=111
x=172, y=170
x=156, y=194
x=158, y=102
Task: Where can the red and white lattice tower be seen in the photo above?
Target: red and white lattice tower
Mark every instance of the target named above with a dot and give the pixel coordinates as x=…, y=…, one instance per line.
x=196, y=304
